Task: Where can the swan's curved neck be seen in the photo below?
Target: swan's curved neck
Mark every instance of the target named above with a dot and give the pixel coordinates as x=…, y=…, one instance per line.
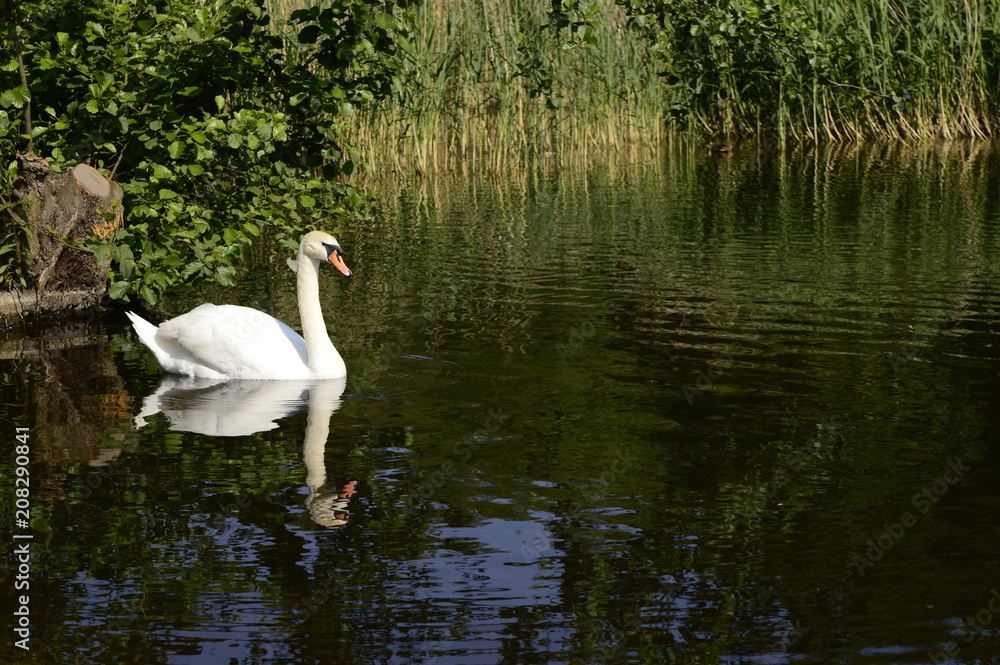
x=324, y=361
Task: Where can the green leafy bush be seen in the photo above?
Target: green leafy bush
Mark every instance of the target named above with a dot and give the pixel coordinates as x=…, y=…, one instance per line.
x=215, y=127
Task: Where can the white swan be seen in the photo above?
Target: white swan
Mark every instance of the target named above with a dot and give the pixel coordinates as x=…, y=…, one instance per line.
x=234, y=342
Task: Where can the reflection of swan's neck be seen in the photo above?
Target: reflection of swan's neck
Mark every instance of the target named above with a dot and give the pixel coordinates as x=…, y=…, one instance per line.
x=325, y=507
x=314, y=446
x=323, y=357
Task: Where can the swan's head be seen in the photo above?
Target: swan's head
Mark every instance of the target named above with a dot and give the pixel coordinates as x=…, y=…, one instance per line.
x=324, y=247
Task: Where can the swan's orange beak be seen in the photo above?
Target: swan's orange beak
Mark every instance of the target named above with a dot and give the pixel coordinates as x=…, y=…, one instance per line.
x=338, y=262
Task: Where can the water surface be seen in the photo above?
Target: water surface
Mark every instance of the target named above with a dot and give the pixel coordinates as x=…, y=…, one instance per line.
x=676, y=407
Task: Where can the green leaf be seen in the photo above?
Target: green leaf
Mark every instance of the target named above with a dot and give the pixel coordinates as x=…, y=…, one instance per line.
x=166, y=194
x=96, y=27
x=161, y=172
x=16, y=97
x=309, y=34
x=149, y=295
x=196, y=169
x=190, y=269
x=385, y=21
x=117, y=291
x=224, y=275
x=175, y=149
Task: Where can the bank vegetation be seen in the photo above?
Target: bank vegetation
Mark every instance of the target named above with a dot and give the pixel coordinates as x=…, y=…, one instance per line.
x=222, y=119
x=490, y=79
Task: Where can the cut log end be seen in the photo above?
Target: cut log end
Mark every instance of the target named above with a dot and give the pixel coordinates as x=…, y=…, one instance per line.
x=91, y=182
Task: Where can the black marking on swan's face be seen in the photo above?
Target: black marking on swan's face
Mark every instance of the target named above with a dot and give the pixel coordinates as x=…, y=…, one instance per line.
x=331, y=248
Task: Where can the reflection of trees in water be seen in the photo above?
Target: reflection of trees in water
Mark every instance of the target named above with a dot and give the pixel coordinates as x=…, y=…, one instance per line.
x=74, y=400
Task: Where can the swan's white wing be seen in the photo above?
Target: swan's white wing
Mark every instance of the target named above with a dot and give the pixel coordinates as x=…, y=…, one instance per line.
x=169, y=355
x=237, y=342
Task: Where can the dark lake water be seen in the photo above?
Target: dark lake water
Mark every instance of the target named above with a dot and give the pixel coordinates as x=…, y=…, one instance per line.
x=677, y=407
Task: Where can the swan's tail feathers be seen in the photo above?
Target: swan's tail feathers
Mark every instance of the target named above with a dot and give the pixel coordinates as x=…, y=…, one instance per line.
x=144, y=329
x=170, y=355
x=147, y=335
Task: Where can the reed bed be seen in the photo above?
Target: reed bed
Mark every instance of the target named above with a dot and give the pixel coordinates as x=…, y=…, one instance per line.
x=896, y=69
x=488, y=83
x=469, y=95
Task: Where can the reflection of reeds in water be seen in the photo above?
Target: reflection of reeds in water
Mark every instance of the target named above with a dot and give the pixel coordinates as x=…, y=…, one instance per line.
x=839, y=217
x=872, y=193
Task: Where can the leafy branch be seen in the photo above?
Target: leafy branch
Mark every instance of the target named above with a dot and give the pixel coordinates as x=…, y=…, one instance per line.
x=215, y=127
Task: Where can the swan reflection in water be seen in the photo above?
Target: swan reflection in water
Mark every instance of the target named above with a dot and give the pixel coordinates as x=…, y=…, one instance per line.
x=244, y=407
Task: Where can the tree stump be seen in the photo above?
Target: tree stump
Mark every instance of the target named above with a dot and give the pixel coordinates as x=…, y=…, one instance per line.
x=60, y=210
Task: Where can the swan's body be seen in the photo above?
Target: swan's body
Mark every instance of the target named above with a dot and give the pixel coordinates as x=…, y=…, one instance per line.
x=234, y=342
